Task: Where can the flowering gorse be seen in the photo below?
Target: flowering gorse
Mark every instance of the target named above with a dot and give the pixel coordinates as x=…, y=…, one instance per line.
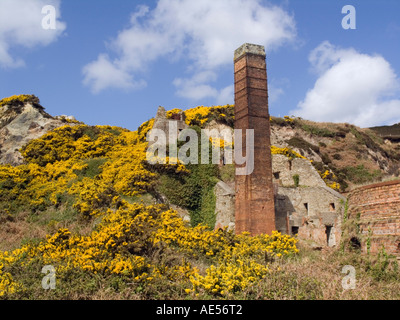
x=96, y=168
x=18, y=99
x=125, y=241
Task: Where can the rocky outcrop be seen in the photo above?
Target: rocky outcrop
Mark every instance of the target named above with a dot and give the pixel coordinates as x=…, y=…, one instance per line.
x=20, y=124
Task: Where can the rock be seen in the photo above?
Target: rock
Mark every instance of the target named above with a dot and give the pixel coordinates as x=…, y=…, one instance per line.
x=183, y=213
x=20, y=124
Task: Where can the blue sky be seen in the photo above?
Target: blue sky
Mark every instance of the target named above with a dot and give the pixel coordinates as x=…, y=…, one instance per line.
x=114, y=62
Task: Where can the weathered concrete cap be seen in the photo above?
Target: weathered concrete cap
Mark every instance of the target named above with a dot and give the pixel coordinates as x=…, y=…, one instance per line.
x=249, y=48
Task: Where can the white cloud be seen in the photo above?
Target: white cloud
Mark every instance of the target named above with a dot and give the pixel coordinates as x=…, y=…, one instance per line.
x=352, y=87
x=196, y=88
x=226, y=95
x=203, y=34
x=21, y=26
x=274, y=92
x=102, y=73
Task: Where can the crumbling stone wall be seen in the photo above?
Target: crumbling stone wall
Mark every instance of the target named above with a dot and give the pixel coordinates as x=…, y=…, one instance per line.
x=284, y=169
x=313, y=213
x=161, y=122
x=312, y=210
x=377, y=209
x=224, y=206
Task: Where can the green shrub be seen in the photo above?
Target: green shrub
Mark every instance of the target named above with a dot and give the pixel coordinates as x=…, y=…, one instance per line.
x=337, y=156
x=320, y=132
x=194, y=192
x=296, y=179
x=300, y=143
x=93, y=168
x=360, y=174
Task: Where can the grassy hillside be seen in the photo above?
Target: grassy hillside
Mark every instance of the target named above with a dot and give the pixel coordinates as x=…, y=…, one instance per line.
x=392, y=133
x=84, y=202
x=88, y=203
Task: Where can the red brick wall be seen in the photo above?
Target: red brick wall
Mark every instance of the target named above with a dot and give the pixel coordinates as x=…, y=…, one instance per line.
x=254, y=200
x=378, y=206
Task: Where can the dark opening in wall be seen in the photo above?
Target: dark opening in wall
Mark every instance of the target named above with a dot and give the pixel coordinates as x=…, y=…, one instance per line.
x=306, y=207
x=328, y=230
x=295, y=230
x=332, y=207
x=355, y=243
x=277, y=175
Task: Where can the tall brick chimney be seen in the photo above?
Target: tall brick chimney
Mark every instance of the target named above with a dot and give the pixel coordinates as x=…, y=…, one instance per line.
x=254, y=200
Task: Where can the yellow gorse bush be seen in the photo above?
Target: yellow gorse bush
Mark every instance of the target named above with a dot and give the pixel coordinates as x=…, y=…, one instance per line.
x=286, y=152
x=288, y=119
x=124, y=241
x=328, y=177
x=7, y=284
x=201, y=115
x=57, y=162
x=20, y=99
x=170, y=113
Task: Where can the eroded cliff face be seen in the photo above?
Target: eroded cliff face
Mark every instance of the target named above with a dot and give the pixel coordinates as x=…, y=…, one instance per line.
x=20, y=123
x=354, y=155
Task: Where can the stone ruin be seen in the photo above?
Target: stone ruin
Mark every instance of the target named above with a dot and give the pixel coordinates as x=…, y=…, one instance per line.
x=269, y=198
x=162, y=122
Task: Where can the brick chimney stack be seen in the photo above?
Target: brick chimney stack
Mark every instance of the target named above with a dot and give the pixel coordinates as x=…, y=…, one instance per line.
x=254, y=200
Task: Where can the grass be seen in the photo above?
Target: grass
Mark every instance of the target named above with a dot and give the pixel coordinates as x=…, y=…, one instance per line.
x=227, y=173
x=298, y=142
x=28, y=227
x=317, y=131
x=360, y=174
x=309, y=275
x=317, y=275
x=312, y=275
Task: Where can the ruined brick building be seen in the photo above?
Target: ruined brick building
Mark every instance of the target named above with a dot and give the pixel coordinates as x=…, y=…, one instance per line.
x=309, y=209
x=268, y=200
x=376, y=209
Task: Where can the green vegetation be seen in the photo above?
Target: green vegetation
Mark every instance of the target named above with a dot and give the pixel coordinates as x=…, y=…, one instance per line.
x=296, y=180
x=298, y=142
x=194, y=191
x=320, y=132
x=360, y=174
x=84, y=201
